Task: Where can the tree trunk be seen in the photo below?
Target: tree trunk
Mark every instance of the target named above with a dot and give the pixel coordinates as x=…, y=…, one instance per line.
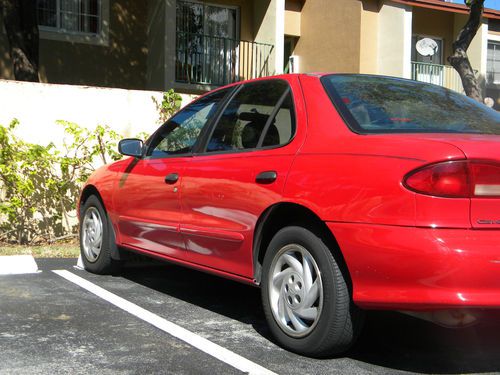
x=459, y=60
x=19, y=17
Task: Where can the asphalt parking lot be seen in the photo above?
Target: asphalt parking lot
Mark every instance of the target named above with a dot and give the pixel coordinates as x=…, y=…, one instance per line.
x=50, y=325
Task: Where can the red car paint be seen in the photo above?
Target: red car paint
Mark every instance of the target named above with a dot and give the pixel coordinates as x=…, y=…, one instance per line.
x=403, y=250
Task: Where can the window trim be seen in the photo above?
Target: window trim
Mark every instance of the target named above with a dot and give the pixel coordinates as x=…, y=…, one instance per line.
x=203, y=146
x=61, y=35
x=492, y=39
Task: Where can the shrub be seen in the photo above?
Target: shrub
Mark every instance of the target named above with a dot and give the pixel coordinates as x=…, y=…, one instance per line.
x=40, y=183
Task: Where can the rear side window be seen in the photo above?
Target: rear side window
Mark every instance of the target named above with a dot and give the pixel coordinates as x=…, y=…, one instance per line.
x=259, y=115
x=371, y=104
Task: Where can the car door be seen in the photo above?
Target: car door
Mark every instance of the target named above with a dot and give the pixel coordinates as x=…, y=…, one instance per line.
x=148, y=193
x=241, y=172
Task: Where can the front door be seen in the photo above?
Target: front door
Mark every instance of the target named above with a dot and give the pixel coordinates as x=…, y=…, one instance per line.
x=148, y=193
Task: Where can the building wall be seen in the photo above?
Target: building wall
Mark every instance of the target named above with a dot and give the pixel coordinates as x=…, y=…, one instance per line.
x=368, y=63
x=269, y=28
x=329, y=42
x=6, y=69
x=394, y=40
x=128, y=112
x=121, y=64
x=155, y=30
x=293, y=9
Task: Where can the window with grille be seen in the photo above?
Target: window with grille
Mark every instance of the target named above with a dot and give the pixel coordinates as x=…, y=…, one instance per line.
x=73, y=16
x=493, y=65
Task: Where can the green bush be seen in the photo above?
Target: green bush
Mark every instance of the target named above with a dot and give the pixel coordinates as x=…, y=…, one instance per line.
x=40, y=184
x=171, y=103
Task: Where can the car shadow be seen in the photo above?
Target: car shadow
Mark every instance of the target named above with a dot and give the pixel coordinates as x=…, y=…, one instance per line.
x=398, y=341
x=389, y=339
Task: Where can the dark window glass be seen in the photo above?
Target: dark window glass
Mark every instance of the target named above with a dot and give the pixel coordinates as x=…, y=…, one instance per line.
x=82, y=16
x=251, y=112
x=179, y=134
x=391, y=105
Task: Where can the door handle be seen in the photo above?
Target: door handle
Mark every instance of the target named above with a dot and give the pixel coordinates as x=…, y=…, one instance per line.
x=171, y=178
x=267, y=177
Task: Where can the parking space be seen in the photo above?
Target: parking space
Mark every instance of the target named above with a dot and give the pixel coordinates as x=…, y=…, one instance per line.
x=49, y=324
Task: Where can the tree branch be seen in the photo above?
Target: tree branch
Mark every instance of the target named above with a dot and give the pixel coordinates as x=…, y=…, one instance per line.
x=459, y=59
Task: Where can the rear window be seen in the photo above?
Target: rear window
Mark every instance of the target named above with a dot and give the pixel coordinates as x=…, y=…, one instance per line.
x=371, y=104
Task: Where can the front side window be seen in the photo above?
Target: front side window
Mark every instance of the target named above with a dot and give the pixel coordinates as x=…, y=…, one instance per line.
x=372, y=104
x=179, y=134
x=72, y=16
x=260, y=115
x=493, y=63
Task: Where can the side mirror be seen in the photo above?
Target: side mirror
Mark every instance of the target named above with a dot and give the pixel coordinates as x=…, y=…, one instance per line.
x=130, y=147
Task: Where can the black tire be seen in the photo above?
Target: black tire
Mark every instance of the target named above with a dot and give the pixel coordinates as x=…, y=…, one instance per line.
x=338, y=320
x=101, y=263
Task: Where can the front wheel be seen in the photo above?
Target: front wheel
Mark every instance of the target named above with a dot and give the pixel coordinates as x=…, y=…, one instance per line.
x=96, y=238
x=306, y=297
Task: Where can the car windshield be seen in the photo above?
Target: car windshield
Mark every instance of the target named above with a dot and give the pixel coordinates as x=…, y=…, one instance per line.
x=371, y=104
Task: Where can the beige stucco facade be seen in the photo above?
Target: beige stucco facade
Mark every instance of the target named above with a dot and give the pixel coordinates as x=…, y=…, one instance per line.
x=327, y=42
x=368, y=61
x=354, y=36
x=116, y=63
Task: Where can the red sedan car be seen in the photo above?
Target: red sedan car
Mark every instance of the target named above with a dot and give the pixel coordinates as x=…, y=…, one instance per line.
x=333, y=193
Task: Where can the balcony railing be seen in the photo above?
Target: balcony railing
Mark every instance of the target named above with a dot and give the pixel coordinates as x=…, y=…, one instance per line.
x=442, y=75
x=204, y=59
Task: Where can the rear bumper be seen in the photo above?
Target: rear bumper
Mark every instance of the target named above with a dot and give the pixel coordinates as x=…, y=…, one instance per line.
x=408, y=268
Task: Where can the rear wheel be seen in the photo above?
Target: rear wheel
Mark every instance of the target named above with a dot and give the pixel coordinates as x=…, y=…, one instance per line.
x=306, y=297
x=95, y=238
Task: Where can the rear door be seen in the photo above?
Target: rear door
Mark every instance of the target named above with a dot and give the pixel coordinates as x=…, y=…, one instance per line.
x=240, y=172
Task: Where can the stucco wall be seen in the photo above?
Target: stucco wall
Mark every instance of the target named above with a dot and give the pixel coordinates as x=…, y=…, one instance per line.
x=268, y=27
x=122, y=64
x=330, y=36
x=155, y=75
x=394, y=40
x=368, y=63
x=38, y=106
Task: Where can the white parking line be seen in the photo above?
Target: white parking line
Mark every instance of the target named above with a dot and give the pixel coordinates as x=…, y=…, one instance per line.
x=17, y=264
x=183, y=334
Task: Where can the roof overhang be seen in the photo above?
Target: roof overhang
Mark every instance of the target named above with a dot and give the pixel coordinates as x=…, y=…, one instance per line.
x=448, y=7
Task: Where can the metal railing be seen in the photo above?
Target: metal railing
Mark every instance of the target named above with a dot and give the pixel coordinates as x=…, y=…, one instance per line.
x=442, y=75
x=204, y=59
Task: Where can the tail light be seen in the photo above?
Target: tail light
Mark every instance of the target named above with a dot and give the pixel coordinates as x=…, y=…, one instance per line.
x=456, y=179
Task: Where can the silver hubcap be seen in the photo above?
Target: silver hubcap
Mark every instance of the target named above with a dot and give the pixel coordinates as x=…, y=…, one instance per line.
x=92, y=234
x=295, y=290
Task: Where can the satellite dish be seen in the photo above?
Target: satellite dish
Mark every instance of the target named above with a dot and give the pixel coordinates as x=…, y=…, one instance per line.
x=427, y=47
